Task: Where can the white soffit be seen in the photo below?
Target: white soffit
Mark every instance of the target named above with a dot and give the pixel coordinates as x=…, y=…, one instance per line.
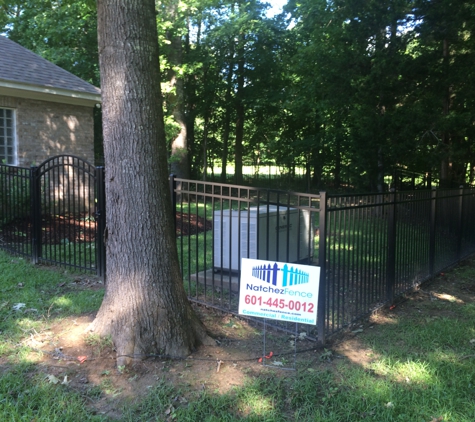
x=44, y=93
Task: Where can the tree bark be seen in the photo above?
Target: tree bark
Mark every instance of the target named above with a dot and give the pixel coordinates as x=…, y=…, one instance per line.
x=445, y=162
x=180, y=162
x=145, y=308
x=227, y=116
x=240, y=115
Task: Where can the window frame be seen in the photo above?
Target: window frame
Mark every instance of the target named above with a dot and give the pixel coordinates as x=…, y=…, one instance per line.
x=4, y=143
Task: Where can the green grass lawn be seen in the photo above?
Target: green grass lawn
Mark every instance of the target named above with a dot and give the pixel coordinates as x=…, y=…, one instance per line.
x=413, y=363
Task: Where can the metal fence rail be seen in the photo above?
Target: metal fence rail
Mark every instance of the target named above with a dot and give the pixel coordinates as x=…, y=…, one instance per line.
x=376, y=247
x=53, y=213
x=15, y=209
x=218, y=224
x=370, y=248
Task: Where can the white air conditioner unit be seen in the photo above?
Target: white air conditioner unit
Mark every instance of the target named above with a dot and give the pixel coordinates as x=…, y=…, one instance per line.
x=236, y=235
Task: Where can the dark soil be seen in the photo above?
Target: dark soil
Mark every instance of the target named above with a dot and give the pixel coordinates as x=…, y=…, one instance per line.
x=188, y=224
x=55, y=229
x=81, y=228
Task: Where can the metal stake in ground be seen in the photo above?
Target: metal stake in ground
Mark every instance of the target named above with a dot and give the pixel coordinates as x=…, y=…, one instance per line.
x=267, y=356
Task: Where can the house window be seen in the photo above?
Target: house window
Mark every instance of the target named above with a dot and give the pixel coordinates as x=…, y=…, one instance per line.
x=7, y=136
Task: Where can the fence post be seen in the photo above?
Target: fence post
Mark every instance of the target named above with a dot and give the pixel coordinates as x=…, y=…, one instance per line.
x=322, y=257
x=391, y=256
x=101, y=223
x=35, y=192
x=171, y=180
x=460, y=224
x=433, y=215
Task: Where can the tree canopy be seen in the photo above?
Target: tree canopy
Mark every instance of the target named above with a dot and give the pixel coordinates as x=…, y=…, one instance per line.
x=352, y=91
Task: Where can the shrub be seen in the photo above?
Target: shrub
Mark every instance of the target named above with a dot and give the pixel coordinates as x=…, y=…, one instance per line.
x=15, y=198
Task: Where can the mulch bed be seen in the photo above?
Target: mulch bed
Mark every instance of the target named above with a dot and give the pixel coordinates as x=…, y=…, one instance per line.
x=188, y=224
x=79, y=229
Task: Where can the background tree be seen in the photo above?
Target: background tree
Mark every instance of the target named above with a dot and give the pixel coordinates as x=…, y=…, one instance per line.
x=145, y=308
x=354, y=91
x=444, y=58
x=173, y=22
x=62, y=31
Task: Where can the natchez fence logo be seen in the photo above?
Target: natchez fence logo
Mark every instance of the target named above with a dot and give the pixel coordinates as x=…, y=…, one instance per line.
x=279, y=290
x=290, y=275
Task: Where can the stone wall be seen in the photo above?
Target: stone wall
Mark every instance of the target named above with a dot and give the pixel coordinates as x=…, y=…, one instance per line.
x=45, y=129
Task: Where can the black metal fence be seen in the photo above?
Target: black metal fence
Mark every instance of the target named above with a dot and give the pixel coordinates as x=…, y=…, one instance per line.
x=53, y=212
x=273, y=177
x=15, y=209
x=370, y=248
x=218, y=224
x=375, y=247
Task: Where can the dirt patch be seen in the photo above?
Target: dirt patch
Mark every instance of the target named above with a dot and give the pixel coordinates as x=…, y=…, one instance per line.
x=87, y=364
x=55, y=229
x=430, y=300
x=65, y=354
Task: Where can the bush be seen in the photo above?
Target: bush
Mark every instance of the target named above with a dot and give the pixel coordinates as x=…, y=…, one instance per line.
x=15, y=198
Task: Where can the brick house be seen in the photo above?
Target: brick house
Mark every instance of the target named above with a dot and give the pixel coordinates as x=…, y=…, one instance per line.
x=44, y=110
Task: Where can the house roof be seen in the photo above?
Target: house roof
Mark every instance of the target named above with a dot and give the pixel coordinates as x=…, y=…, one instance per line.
x=25, y=74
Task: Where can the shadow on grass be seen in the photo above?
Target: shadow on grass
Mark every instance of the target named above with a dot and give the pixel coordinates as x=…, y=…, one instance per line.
x=415, y=364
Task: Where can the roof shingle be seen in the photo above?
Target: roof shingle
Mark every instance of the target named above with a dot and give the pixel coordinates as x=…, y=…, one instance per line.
x=20, y=65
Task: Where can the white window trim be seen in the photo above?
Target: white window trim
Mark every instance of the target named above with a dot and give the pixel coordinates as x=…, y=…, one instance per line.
x=15, y=140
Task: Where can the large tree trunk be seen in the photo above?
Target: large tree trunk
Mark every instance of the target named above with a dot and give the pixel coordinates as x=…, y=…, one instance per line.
x=445, y=162
x=205, y=144
x=227, y=116
x=191, y=100
x=180, y=163
x=338, y=149
x=240, y=116
x=145, y=308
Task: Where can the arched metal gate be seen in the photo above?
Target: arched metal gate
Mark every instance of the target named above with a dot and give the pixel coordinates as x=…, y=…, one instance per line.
x=68, y=213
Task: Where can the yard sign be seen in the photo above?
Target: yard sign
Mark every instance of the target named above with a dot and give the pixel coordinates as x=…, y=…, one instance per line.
x=278, y=290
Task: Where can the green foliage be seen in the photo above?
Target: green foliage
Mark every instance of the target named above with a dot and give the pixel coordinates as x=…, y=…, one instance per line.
x=63, y=32
x=374, y=65
x=352, y=90
x=14, y=195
